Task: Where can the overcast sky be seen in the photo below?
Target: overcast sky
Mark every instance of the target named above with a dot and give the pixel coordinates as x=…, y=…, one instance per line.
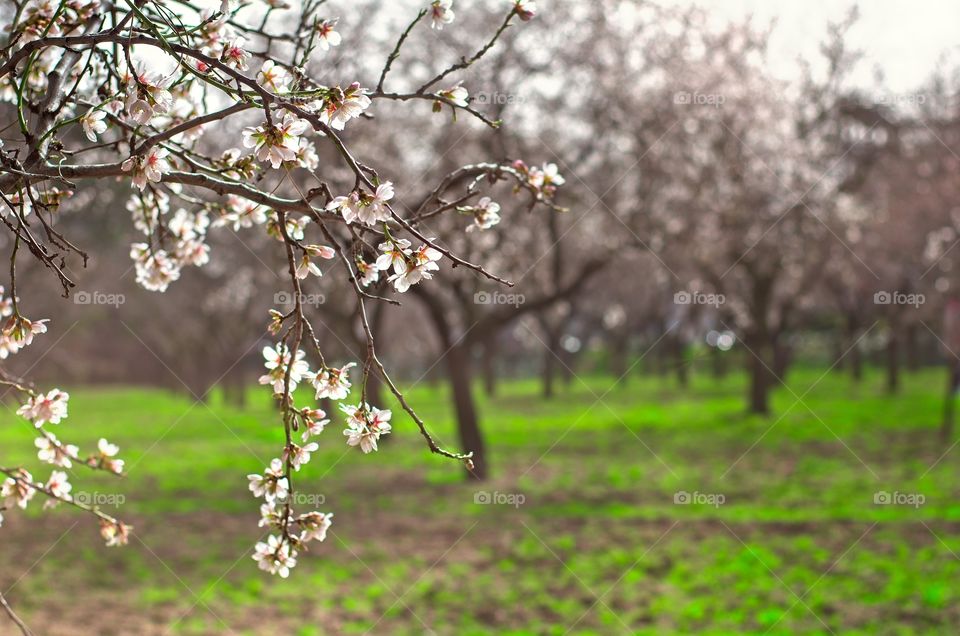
x=905, y=38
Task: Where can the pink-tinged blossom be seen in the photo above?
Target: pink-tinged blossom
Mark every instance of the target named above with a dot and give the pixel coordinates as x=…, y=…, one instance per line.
x=300, y=455
x=526, y=9
x=277, y=360
x=188, y=225
x=18, y=492
x=147, y=168
x=115, y=533
x=51, y=451
x=457, y=95
x=546, y=179
x=59, y=487
x=486, y=214
x=272, y=516
x=272, y=485
x=419, y=267
x=307, y=155
x=20, y=330
x=364, y=207
x=235, y=55
x=369, y=273
x=147, y=96
x=440, y=13
x=276, y=144
x=275, y=556
x=344, y=105
x=365, y=425
x=193, y=252
x=155, y=270
x=41, y=408
x=107, y=457
x=314, y=525
x=326, y=36
x=306, y=266
x=93, y=124
x=395, y=254
x=242, y=213
x=333, y=383
x=146, y=208
x=315, y=420
x=274, y=77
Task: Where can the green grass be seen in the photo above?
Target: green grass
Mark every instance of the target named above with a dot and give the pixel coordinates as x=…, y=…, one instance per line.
x=597, y=547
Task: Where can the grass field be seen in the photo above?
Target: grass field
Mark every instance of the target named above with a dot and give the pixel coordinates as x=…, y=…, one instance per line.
x=598, y=545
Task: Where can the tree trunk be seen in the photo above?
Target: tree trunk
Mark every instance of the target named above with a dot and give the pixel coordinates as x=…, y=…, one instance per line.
x=566, y=372
x=375, y=391
x=551, y=351
x=856, y=364
x=759, y=387
x=911, y=348
x=782, y=356
x=893, y=362
x=618, y=359
x=234, y=391
x=490, y=367
x=468, y=426
x=547, y=374
x=852, y=349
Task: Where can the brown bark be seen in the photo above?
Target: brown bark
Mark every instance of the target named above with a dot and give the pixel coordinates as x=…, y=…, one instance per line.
x=468, y=425
x=760, y=376
x=489, y=362
x=893, y=363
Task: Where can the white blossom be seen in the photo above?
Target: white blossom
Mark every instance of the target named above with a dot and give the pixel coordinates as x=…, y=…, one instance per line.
x=420, y=266
x=147, y=168
x=41, y=408
x=277, y=361
x=93, y=123
x=274, y=77
x=274, y=143
x=326, y=36
x=275, y=556
x=441, y=13
x=365, y=425
x=272, y=484
x=51, y=451
x=333, y=383
x=344, y=105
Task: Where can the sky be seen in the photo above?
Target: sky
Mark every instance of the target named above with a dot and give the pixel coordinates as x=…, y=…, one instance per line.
x=902, y=37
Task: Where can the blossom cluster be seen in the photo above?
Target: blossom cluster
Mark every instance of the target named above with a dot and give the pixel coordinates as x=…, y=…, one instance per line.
x=285, y=371
x=41, y=410
x=157, y=267
x=544, y=181
x=16, y=331
x=147, y=103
